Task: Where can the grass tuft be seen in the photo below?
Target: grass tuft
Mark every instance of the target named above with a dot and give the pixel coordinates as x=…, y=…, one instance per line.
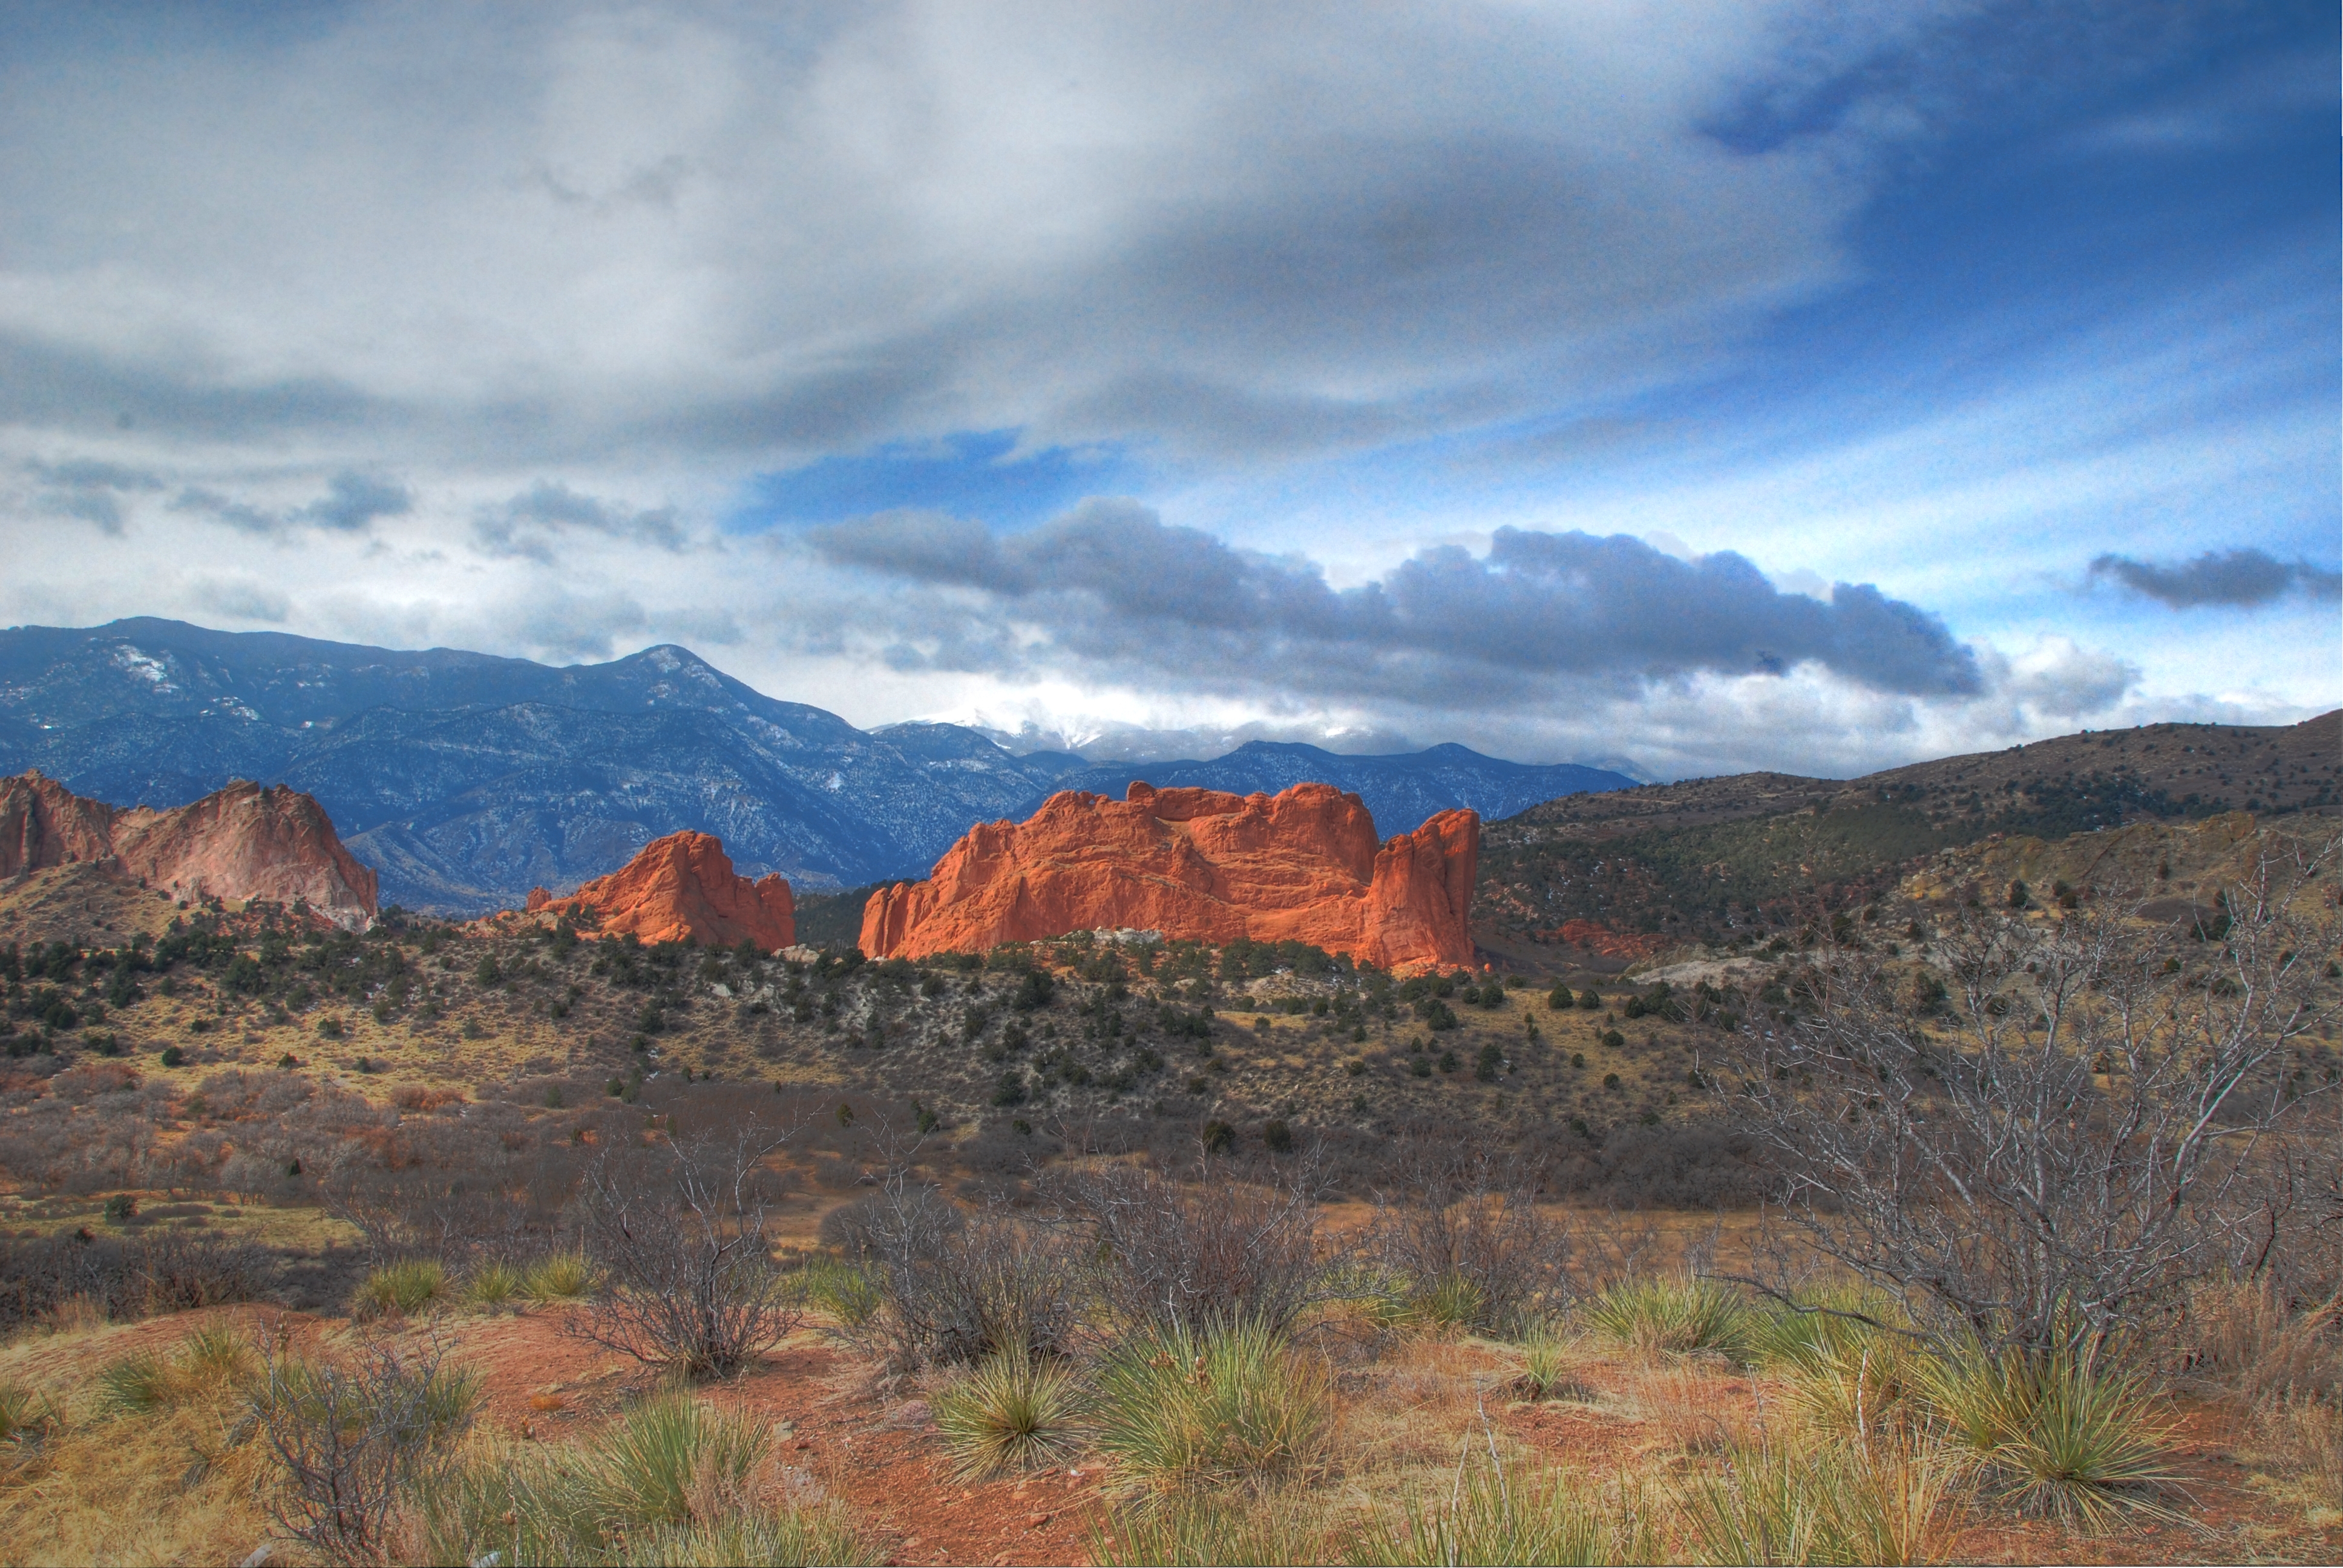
x=1672, y=1316
x=1547, y=1370
x=845, y=1290
x=650, y=1467
x=137, y=1384
x=1485, y=1515
x=493, y=1285
x=1888, y=1501
x=562, y=1277
x=1178, y=1407
x=1013, y=1412
x=26, y=1415
x=400, y=1289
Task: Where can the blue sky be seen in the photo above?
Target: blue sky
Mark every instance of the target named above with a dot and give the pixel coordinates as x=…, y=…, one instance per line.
x=1688, y=386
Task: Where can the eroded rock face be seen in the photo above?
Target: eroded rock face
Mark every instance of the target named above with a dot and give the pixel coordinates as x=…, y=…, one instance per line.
x=682, y=886
x=241, y=842
x=1301, y=865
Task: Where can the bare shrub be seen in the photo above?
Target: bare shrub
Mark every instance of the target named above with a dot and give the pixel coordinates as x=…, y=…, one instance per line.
x=955, y=1288
x=353, y=1439
x=164, y=1272
x=680, y=1233
x=1461, y=1232
x=1209, y=1251
x=2050, y=1138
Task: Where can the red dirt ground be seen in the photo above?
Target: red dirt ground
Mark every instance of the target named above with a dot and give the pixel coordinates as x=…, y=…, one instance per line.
x=876, y=1451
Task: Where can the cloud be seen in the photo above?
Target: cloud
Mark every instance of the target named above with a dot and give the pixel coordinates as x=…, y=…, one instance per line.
x=89, y=489
x=1110, y=587
x=353, y=502
x=2237, y=577
x=354, y=499
x=2062, y=680
x=529, y=524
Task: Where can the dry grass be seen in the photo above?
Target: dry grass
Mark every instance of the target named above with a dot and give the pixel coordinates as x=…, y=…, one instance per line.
x=168, y=1476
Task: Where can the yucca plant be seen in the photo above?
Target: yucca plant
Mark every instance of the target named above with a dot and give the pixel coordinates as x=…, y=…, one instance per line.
x=1013, y=1412
x=650, y=1465
x=26, y=1415
x=558, y=1277
x=1546, y=1369
x=492, y=1285
x=2055, y=1433
x=137, y=1383
x=671, y=1482
x=1451, y=1301
x=1488, y=1516
x=217, y=1356
x=1672, y=1316
x=1178, y=1407
x=400, y=1289
x=1816, y=1325
x=1857, y=1390
x=846, y=1290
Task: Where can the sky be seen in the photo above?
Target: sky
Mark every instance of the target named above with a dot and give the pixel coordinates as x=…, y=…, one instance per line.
x=1688, y=386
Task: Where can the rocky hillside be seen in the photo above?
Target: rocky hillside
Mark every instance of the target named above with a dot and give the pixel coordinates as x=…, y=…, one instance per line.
x=1617, y=876
x=237, y=844
x=467, y=780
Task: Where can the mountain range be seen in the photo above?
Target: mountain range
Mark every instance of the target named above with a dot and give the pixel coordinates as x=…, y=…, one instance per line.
x=466, y=779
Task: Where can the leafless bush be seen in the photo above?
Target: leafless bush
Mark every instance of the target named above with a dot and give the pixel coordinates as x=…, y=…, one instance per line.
x=1462, y=1230
x=2060, y=1129
x=169, y=1271
x=353, y=1439
x=680, y=1233
x=1206, y=1252
x=957, y=1288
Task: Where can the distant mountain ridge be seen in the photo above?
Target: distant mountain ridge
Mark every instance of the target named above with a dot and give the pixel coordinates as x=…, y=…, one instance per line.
x=466, y=778
x=1400, y=792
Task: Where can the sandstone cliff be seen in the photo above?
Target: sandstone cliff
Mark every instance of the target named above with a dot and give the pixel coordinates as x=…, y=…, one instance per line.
x=682, y=886
x=1301, y=865
x=241, y=842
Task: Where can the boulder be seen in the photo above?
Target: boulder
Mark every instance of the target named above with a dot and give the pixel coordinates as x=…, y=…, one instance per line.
x=682, y=886
x=241, y=842
x=1301, y=865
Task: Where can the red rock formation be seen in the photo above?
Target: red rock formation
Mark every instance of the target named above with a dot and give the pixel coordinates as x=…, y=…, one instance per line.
x=1301, y=865
x=682, y=886
x=241, y=842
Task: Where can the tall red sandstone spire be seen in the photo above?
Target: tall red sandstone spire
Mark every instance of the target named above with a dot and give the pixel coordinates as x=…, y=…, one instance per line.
x=1202, y=864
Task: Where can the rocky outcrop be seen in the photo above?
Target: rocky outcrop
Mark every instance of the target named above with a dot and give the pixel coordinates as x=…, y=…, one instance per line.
x=1301, y=865
x=677, y=887
x=239, y=843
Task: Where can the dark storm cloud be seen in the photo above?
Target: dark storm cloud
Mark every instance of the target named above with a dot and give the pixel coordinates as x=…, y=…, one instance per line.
x=2233, y=577
x=1115, y=590
x=531, y=524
